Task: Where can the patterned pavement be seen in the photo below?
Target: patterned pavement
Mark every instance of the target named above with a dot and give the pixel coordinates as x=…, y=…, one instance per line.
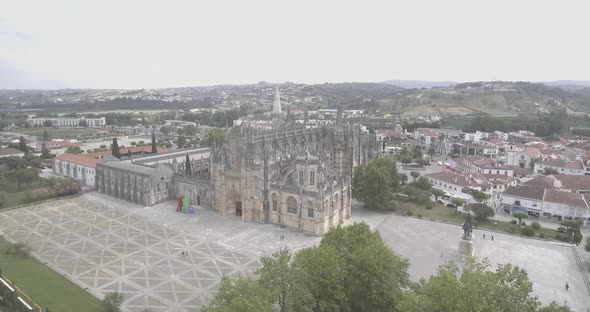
x=105, y=249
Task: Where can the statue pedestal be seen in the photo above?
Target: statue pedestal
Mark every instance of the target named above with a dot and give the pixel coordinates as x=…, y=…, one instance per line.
x=466, y=248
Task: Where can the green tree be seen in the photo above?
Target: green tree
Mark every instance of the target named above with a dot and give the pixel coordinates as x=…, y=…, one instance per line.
x=550, y=171
x=415, y=175
x=241, y=294
x=458, y=202
x=375, y=183
x=373, y=275
x=22, y=145
x=188, y=169
x=403, y=178
x=276, y=275
x=479, y=196
x=431, y=152
x=520, y=215
x=45, y=153
x=21, y=176
x=423, y=183
x=166, y=130
x=45, y=135
x=406, y=160
x=154, y=145
x=482, y=211
x=74, y=150
x=318, y=281
x=115, y=149
x=214, y=136
x=437, y=193
x=475, y=288
x=112, y=302
x=572, y=228
x=181, y=141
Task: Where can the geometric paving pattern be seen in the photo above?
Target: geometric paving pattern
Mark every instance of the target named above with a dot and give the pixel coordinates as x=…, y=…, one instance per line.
x=105, y=249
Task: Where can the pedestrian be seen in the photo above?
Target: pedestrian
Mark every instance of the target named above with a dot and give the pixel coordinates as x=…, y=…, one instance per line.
x=492, y=237
x=567, y=286
x=484, y=236
x=182, y=253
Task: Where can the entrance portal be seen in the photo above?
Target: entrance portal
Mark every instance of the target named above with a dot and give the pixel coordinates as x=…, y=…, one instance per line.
x=239, y=208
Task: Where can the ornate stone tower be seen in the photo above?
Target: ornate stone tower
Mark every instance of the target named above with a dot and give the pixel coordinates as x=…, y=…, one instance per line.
x=276, y=110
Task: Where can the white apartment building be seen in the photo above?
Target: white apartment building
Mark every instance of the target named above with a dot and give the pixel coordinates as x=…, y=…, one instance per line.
x=67, y=121
x=562, y=167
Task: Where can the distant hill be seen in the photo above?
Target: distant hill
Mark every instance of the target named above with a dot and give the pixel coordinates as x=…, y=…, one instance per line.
x=559, y=83
x=419, y=84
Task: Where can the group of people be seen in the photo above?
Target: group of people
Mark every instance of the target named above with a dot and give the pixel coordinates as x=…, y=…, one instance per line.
x=484, y=236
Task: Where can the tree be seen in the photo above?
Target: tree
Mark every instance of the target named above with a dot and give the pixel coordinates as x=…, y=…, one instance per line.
x=431, y=152
x=47, y=123
x=572, y=229
x=482, y=211
x=82, y=123
x=181, y=141
x=550, y=171
x=74, y=150
x=475, y=288
x=520, y=215
x=415, y=175
x=241, y=294
x=276, y=275
x=403, y=178
x=45, y=135
x=166, y=130
x=154, y=146
x=115, y=149
x=22, y=145
x=214, y=136
x=437, y=193
x=188, y=170
x=458, y=202
x=375, y=183
x=406, y=160
x=423, y=183
x=479, y=196
x=112, y=302
x=23, y=175
x=45, y=153
x=373, y=275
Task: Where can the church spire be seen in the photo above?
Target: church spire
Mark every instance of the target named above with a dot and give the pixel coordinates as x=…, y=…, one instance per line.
x=276, y=108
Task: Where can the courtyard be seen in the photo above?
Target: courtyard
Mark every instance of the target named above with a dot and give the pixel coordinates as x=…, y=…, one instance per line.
x=104, y=245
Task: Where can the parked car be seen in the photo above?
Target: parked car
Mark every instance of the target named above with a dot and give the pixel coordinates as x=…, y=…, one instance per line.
x=451, y=205
x=440, y=201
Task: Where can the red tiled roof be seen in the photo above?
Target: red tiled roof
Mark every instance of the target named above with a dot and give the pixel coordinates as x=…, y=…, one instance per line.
x=562, y=164
x=123, y=151
x=568, y=198
x=78, y=159
x=10, y=151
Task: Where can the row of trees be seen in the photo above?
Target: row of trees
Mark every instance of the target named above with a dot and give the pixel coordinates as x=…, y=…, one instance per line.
x=544, y=125
x=353, y=269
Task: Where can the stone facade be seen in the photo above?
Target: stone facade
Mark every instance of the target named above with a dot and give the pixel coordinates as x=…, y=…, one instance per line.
x=290, y=175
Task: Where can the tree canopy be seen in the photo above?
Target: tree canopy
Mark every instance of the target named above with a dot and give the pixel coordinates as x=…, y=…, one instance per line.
x=375, y=183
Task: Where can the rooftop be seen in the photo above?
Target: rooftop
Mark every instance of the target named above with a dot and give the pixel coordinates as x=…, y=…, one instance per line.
x=78, y=159
x=10, y=151
x=524, y=191
x=568, y=198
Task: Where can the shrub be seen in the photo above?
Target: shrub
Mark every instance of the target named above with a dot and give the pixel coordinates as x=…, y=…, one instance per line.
x=527, y=231
x=542, y=235
x=561, y=229
x=513, y=229
x=482, y=211
x=523, y=223
x=535, y=225
x=112, y=302
x=513, y=221
x=561, y=237
x=409, y=213
x=419, y=216
x=587, y=246
x=428, y=207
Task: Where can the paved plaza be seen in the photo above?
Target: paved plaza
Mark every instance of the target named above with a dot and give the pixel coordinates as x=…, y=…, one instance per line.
x=105, y=244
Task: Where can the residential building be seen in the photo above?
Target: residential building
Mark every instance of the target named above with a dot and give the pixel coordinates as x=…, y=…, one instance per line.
x=458, y=184
x=561, y=166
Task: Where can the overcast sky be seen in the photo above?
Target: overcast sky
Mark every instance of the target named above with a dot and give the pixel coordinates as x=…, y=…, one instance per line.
x=147, y=44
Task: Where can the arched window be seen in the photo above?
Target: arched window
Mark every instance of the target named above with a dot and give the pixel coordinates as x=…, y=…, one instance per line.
x=274, y=202
x=310, y=209
x=291, y=205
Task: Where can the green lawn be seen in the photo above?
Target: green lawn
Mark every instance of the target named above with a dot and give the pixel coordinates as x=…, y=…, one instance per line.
x=29, y=192
x=46, y=287
x=443, y=213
